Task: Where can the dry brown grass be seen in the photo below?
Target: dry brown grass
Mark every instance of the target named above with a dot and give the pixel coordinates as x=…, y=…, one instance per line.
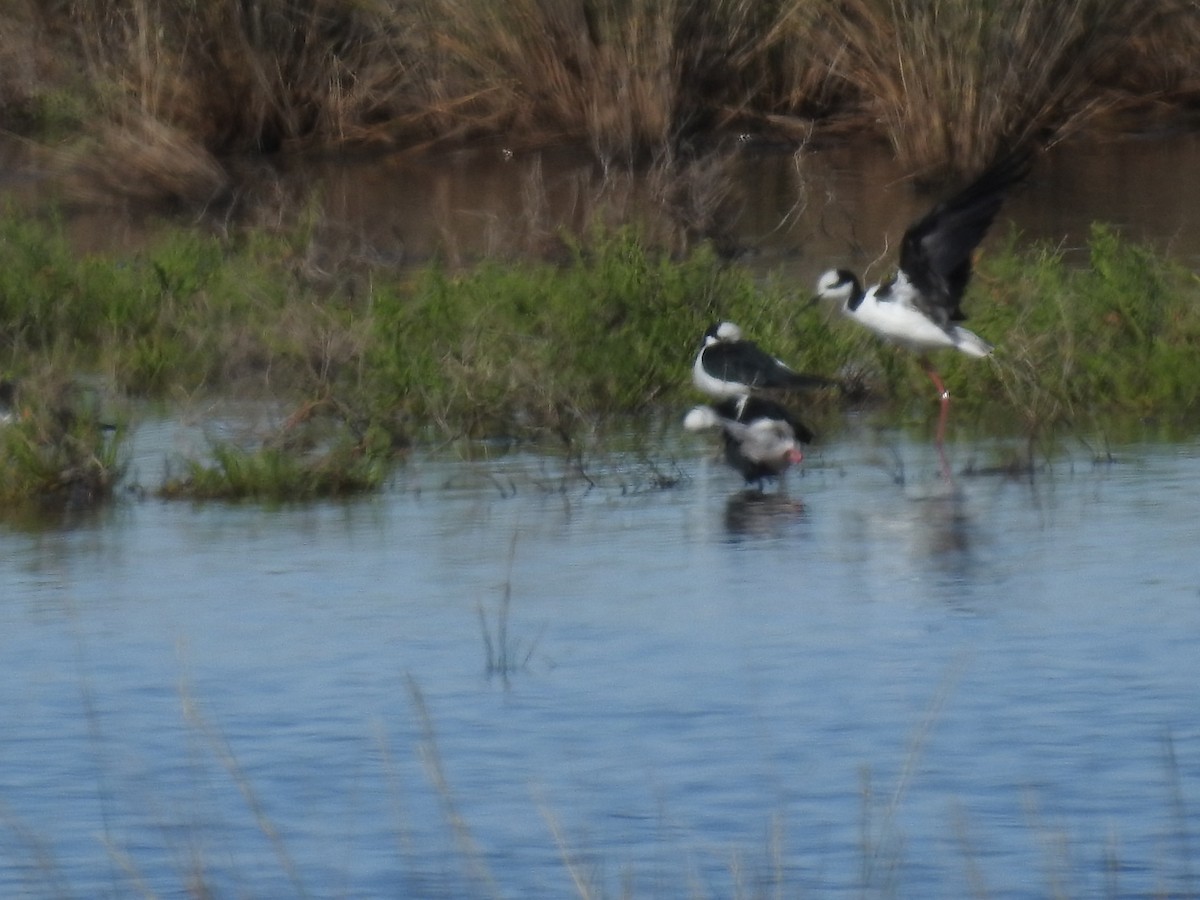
x=180, y=87
x=946, y=81
x=579, y=70
x=171, y=167
x=1153, y=78
x=634, y=80
x=18, y=65
x=629, y=79
x=952, y=81
x=248, y=76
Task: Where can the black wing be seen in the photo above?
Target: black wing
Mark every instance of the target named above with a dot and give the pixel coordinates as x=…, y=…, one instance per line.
x=935, y=255
x=744, y=362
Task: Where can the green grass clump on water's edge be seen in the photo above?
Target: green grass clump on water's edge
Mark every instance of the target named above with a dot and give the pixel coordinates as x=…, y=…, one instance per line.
x=55, y=452
x=277, y=475
x=532, y=348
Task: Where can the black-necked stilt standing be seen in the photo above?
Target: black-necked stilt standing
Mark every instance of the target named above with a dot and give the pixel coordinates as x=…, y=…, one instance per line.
x=762, y=439
x=921, y=306
x=728, y=366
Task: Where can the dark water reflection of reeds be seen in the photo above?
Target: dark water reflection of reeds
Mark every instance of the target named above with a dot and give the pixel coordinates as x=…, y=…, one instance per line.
x=789, y=212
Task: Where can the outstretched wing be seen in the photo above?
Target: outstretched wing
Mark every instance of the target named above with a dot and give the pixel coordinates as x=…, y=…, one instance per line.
x=935, y=254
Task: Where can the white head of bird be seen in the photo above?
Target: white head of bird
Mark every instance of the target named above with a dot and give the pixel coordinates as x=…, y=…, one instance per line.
x=840, y=285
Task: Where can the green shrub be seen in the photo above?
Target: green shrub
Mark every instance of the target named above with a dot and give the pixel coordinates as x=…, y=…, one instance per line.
x=612, y=331
x=56, y=452
x=277, y=475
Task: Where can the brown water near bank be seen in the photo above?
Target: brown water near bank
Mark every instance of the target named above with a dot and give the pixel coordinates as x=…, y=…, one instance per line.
x=795, y=213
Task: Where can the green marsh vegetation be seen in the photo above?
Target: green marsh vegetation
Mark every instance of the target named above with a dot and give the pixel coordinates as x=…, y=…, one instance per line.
x=555, y=352
x=175, y=108
x=56, y=451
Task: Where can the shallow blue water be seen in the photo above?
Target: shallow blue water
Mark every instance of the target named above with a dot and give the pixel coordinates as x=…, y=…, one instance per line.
x=868, y=687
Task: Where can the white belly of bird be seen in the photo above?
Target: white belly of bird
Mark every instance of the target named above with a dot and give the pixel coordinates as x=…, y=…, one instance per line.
x=712, y=386
x=909, y=327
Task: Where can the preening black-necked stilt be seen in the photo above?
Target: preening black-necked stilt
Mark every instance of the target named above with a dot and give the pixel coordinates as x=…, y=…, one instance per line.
x=762, y=439
x=728, y=366
x=920, y=307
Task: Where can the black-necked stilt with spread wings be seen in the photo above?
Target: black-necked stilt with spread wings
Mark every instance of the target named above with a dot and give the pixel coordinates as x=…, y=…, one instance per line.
x=728, y=366
x=921, y=306
x=762, y=439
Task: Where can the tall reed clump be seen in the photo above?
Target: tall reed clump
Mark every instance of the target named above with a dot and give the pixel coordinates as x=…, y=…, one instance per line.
x=954, y=81
x=182, y=87
x=30, y=101
x=599, y=72
x=632, y=79
x=788, y=73
x=185, y=85
x=1153, y=78
x=170, y=94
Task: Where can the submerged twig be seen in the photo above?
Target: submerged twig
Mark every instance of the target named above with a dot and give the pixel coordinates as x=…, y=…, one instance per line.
x=501, y=654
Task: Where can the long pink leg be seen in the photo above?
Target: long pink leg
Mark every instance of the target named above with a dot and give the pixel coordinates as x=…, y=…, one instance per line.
x=943, y=414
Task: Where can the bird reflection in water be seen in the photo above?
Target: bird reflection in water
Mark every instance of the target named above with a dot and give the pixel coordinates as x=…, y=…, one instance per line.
x=752, y=513
x=941, y=525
